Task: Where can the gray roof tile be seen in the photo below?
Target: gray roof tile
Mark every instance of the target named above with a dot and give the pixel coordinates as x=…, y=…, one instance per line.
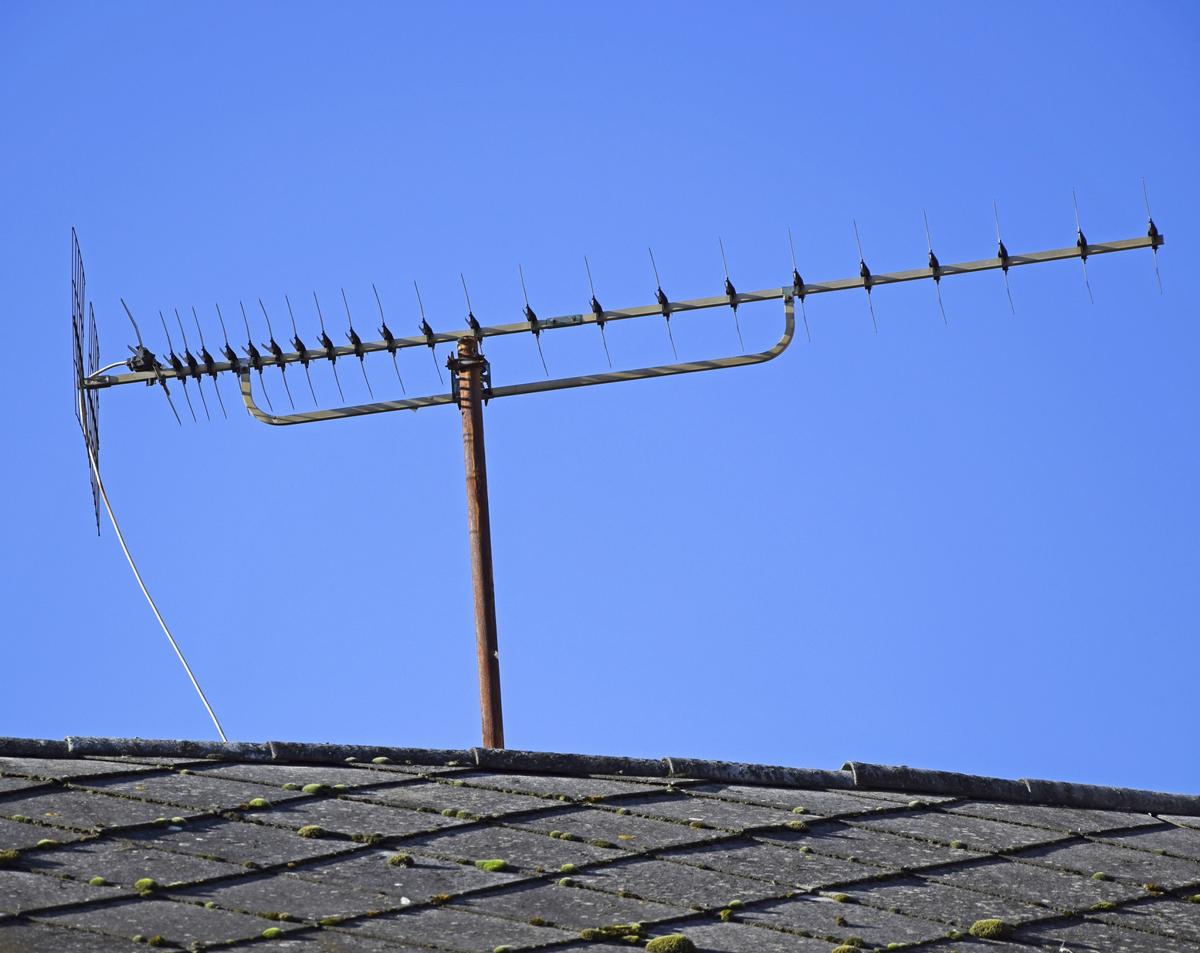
x=20, y=936
x=684, y=885
x=746, y=938
x=568, y=788
x=973, y=832
x=286, y=893
x=457, y=929
x=572, y=908
x=18, y=835
x=1178, y=841
x=21, y=891
x=838, y=922
x=351, y=817
x=277, y=775
x=715, y=812
x=521, y=848
x=182, y=924
x=438, y=797
x=423, y=879
x=1138, y=866
x=1095, y=936
x=944, y=902
x=328, y=941
x=240, y=842
x=774, y=863
x=20, y=784
x=876, y=847
x=1067, y=819
x=194, y=791
x=81, y=810
x=1168, y=917
x=626, y=831
x=124, y=862
x=822, y=803
x=64, y=768
x=1056, y=889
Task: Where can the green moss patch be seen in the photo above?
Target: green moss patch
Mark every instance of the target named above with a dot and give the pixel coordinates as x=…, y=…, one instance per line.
x=492, y=866
x=629, y=932
x=316, y=789
x=400, y=860
x=310, y=830
x=991, y=929
x=9, y=856
x=146, y=885
x=1100, y=905
x=671, y=943
x=98, y=882
x=272, y=933
x=258, y=804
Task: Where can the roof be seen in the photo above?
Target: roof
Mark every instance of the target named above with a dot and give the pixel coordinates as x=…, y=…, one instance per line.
x=115, y=844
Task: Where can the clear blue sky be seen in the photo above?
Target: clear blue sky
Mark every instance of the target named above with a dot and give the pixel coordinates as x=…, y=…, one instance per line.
x=970, y=547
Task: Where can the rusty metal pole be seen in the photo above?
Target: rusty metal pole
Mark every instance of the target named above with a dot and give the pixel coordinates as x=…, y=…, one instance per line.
x=469, y=370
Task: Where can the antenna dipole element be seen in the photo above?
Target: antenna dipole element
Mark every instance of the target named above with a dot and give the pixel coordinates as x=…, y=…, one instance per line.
x=468, y=370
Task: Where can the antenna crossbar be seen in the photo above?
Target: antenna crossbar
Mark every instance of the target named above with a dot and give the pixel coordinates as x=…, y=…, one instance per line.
x=693, y=304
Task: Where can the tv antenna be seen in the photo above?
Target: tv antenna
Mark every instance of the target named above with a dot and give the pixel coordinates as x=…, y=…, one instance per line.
x=471, y=385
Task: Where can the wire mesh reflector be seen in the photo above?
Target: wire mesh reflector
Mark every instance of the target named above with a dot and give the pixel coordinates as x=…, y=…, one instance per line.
x=87, y=401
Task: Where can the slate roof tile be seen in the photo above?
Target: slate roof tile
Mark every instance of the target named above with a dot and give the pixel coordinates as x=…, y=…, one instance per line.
x=944, y=902
x=425, y=878
x=22, y=890
x=626, y=831
x=838, y=922
x=683, y=885
x=81, y=811
x=277, y=775
x=182, y=924
x=569, y=788
x=573, y=908
x=195, y=791
x=328, y=941
x=1167, y=917
x=240, y=842
x=774, y=863
x=286, y=893
x=1177, y=841
x=823, y=803
x=715, y=812
x=1095, y=936
x=1070, y=820
x=744, y=938
x=20, y=784
x=20, y=936
x=456, y=929
x=974, y=832
x=125, y=862
x=438, y=797
x=876, y=847
x=1056, y=889
x=64, y=768
x=522, y=848
x=1087, y=857
x=19, y=835
x=351, y=817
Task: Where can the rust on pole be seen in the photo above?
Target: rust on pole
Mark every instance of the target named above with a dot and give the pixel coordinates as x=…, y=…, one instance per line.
x=469, y=370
